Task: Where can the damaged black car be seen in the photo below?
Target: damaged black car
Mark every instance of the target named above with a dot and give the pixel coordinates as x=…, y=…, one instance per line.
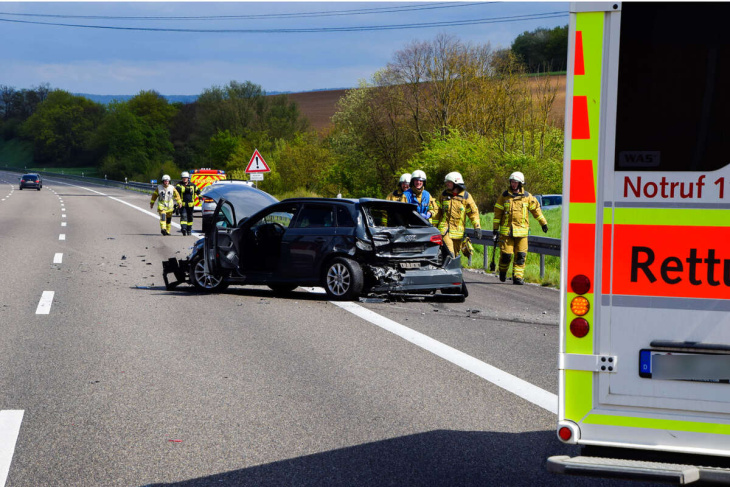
x=350, y=247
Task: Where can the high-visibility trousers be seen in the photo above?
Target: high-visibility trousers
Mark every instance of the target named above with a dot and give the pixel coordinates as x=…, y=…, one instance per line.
x=186, y=217
x=516, y=246
x=165, y=220
x=453, y=244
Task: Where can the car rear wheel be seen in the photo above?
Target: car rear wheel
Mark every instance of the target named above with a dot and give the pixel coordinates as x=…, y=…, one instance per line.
x=343, y=279
x=282, y=288
x=202, y=281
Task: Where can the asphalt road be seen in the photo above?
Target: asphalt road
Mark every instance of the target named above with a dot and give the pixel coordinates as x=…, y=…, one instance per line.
x=123, y=383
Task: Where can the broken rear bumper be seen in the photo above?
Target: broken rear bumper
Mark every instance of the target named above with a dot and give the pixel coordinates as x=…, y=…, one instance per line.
x=179, y=268
x=425, y=279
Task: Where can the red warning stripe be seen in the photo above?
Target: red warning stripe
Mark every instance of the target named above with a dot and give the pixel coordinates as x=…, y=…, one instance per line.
x=580, y=67
x=582, y=185
x=581, y=127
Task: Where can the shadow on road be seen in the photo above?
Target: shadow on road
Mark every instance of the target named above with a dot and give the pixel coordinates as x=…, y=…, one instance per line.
x=437, y=458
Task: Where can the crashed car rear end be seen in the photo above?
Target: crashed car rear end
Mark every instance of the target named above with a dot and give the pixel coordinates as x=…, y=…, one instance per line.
x=350, y=247
x=404, y=253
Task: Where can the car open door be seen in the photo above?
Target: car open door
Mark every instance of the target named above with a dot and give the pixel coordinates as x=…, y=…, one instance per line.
x=221, y=249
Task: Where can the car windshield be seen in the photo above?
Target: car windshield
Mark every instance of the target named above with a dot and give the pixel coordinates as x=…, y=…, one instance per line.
x=393, y=215
x=551, y=200
x=30, y=177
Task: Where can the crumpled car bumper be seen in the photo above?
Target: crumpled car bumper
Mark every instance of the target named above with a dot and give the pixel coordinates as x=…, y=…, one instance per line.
x=390, y=279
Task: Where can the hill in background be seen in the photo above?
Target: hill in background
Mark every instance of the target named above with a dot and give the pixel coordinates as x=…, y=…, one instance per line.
x=318, y=106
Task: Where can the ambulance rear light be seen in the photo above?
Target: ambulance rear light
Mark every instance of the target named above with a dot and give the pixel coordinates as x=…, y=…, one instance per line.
x=568, y=432
x=580, y=284
x=580, y=306
x=579, y=327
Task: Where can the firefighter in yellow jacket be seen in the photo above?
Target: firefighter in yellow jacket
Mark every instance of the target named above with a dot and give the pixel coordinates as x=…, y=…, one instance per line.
x=399, y=194
x=454, y=205
x=188, y=192
x=166, y=197
x=511, y=226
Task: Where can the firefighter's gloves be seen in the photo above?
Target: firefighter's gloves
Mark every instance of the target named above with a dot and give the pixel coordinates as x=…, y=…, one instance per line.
x=495, y=237
x=478, y=233
x=545, y=228
x=151, y=205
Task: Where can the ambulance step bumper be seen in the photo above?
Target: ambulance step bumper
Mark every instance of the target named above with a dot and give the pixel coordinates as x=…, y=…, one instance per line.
x=637, y=470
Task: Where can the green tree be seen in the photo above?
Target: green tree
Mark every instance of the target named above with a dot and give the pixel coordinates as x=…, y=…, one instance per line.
x=61, y=128
x=543, y=49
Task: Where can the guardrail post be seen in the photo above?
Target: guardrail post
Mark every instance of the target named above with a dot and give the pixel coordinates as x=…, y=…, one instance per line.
x=542, y=266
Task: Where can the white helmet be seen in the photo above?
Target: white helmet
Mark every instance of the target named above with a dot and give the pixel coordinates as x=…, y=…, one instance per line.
x=405, y=178
x=185, y=174
x=166, y=177
x=455, y=178
x=517, y=176
x=418, y=174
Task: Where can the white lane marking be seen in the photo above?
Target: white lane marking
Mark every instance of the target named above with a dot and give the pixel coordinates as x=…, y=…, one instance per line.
x=62, y=236
x=63, y=224
x=44, y=305
x=9, y=430
x=508, y=382
x=146, y=212
x=58, y=258
x=63, y=215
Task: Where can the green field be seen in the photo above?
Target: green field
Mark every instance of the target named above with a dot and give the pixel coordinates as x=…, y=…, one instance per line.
x=532, y=270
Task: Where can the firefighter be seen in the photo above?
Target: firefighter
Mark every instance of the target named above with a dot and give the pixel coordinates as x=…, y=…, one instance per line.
x=454, y=205
x=511, y=226
x=166, y=197
x=188, y=192
x=400, y=192
x=418, y=195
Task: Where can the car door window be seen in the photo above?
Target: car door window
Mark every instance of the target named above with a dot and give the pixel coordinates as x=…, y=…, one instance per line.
x=316, y=216
x=344, y=218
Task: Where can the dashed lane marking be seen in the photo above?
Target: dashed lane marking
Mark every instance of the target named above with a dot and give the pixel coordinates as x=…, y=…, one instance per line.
x=62, y=236
x=58, y=258
x=9, y=430
x=63, y=224
x=44, y=305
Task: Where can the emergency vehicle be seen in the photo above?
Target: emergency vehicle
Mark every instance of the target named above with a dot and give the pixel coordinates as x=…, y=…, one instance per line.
x=644, y=363
x=205, y=177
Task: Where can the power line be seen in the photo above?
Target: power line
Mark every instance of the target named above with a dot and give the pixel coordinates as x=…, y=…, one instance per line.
x=451, y=23
x=324, y=13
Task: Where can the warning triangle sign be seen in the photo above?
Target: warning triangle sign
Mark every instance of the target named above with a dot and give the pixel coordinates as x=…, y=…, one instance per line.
x=257, y=163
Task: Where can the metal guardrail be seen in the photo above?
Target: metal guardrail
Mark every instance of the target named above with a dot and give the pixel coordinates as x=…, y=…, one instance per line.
x=131, y=185
x=538, y=245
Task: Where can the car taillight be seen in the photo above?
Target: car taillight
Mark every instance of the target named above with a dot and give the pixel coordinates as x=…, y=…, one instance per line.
x=37, y=181
x=205, y=199
x=437, y=239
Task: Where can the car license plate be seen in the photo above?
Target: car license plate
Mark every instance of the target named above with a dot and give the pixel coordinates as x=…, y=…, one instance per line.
x=410, y=265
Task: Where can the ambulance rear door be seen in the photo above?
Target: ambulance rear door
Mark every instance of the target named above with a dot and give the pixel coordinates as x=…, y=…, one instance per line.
x=648, y=225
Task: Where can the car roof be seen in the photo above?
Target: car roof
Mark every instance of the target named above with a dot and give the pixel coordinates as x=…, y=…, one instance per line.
x=245, y=199
x=351, y=201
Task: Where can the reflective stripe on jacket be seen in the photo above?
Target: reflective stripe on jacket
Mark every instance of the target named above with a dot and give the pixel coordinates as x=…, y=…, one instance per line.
x=510, y=213
x=166, y=198
x=187, y=193
x=452, y=210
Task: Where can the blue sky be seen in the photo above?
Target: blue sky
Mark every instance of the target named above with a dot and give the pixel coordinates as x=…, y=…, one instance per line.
x=122, y=62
